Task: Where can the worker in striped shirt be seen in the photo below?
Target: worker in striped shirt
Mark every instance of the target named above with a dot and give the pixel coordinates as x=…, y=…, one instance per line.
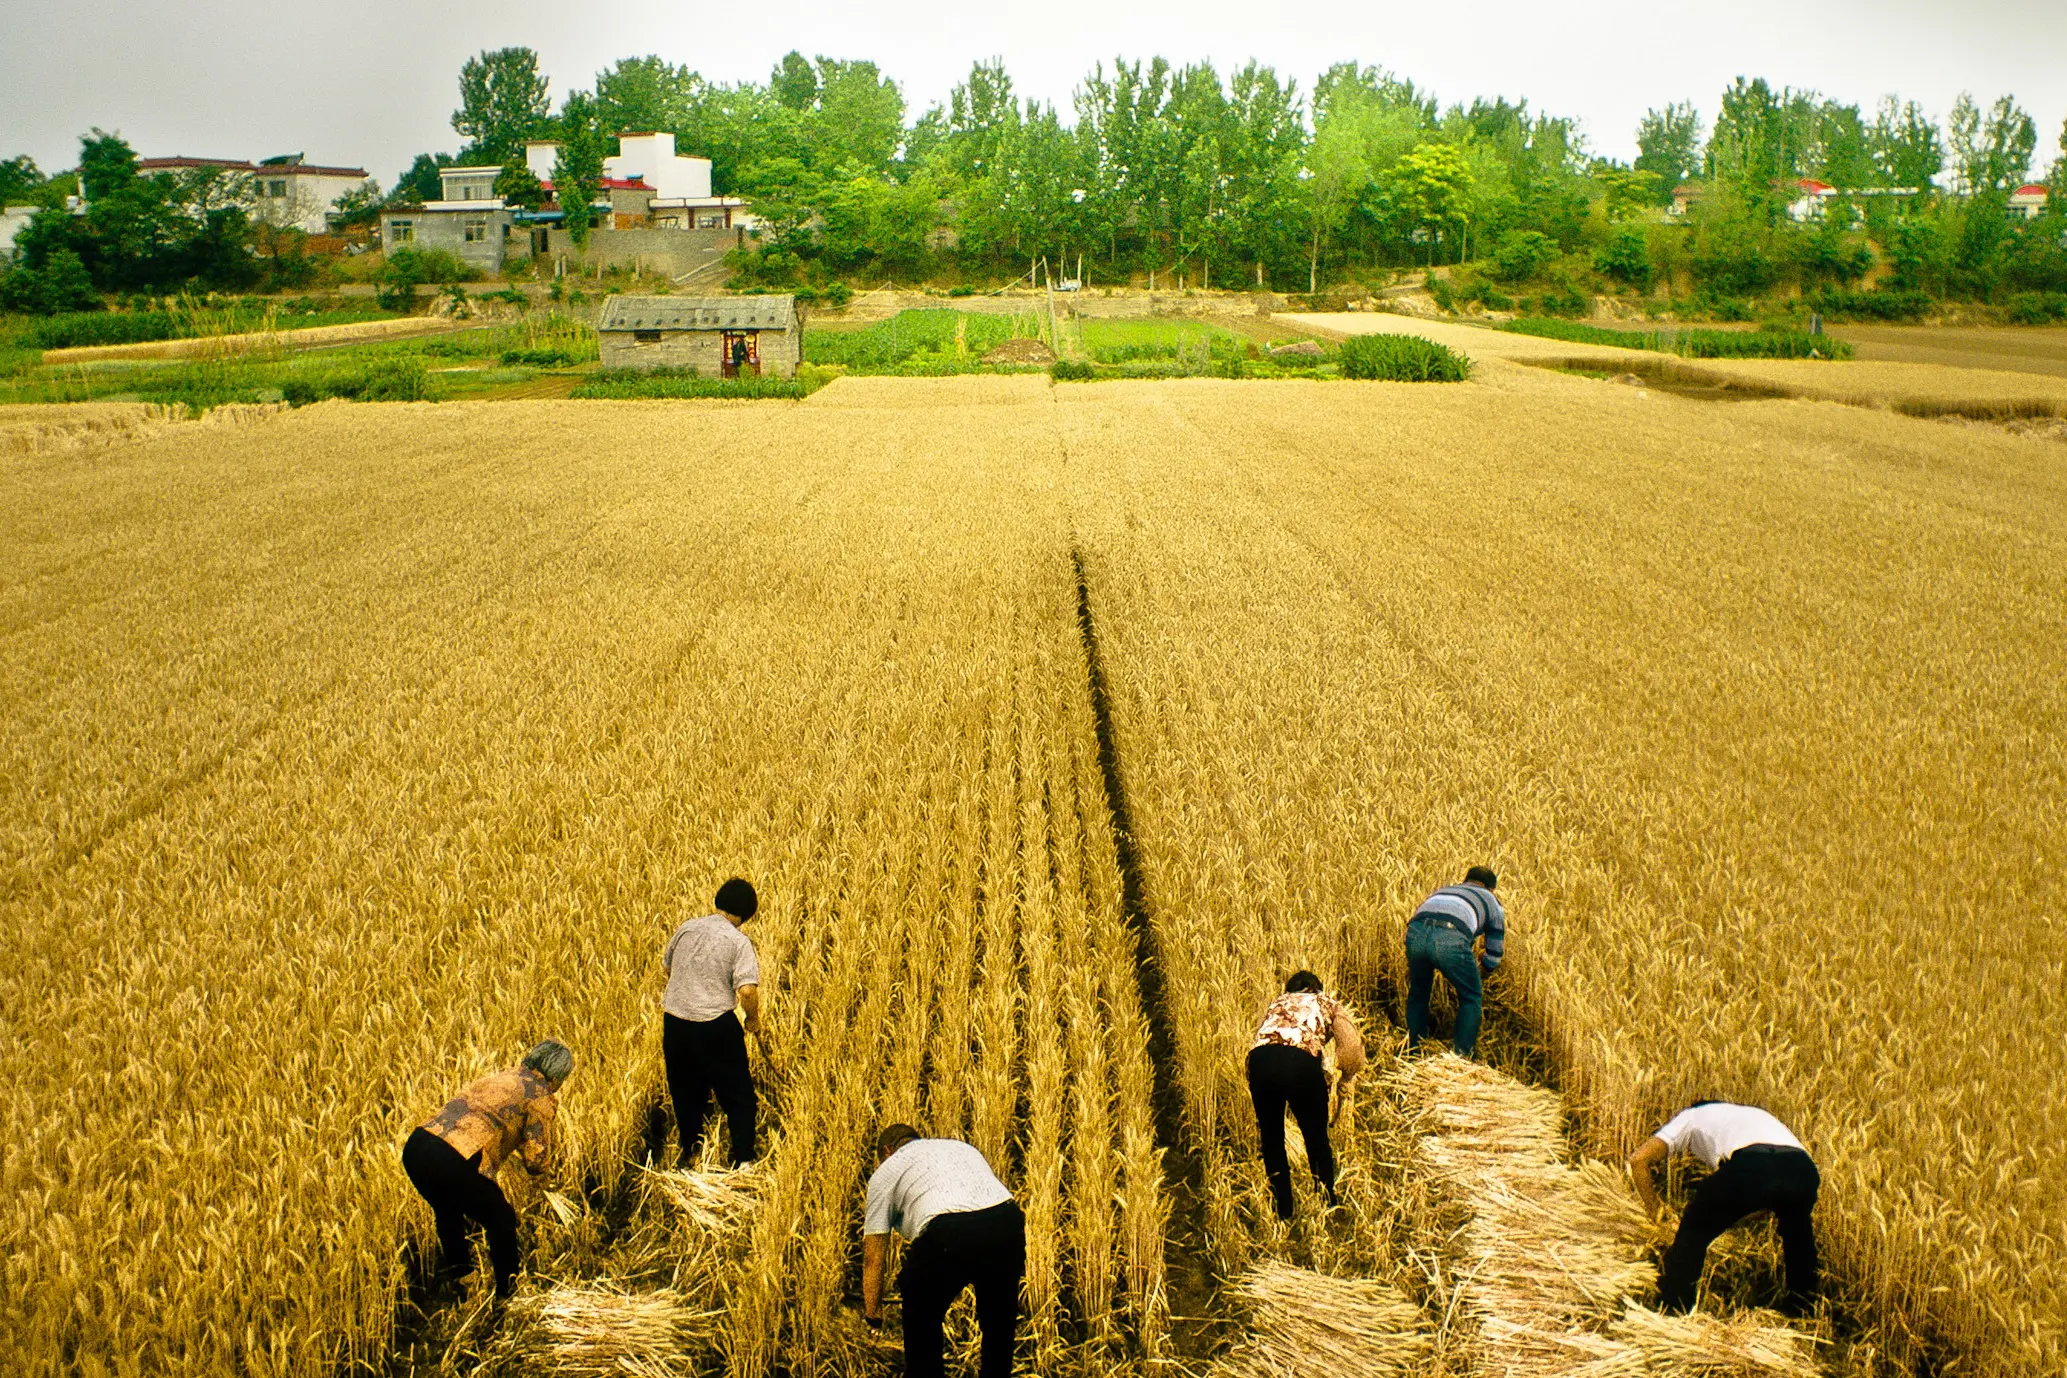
x=965, y=1231
x=1443, y=936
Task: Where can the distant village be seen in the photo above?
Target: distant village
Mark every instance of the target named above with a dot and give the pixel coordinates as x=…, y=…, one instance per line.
x=655, y=208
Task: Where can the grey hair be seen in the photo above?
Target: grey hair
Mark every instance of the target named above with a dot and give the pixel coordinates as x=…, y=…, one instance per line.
x=552, y=1060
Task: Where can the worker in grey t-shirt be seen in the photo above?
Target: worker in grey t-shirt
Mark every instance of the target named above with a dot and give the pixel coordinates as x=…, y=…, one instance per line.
x=711, y=967
x=965, y=1231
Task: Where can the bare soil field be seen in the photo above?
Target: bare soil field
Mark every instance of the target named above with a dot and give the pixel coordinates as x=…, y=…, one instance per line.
x=348, y=750
x=2015, y=349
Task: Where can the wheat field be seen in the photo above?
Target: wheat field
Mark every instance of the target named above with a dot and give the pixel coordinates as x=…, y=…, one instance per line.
x=349, y=750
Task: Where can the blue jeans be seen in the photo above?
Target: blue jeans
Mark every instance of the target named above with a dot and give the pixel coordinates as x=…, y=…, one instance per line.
x=1433, y=947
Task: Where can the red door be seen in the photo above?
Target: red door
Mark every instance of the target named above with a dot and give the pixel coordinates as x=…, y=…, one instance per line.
x=742, y=353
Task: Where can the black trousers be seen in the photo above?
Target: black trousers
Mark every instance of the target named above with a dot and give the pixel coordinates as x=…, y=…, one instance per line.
x=704, y=1056
x=460, y=1197
x=1762, y=1177
x=1281, y=1076
x=983, y=1249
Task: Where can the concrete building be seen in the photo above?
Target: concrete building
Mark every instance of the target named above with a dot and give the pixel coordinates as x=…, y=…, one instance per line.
x=468, y=221
x=2028, y=201
x=13, y=220
x=289, y=191
x=666, y=189
x=719, y=337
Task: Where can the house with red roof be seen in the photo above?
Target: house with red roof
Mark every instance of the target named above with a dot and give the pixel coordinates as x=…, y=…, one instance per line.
x=2028, y=201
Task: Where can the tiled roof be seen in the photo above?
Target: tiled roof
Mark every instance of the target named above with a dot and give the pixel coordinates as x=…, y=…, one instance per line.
x=175, y=164
x=699, y=313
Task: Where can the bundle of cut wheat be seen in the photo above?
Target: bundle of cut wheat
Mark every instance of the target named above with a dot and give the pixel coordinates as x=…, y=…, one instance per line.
x=1303, y=1322
x=1750, y=1344
x=1553, y=1248
x=716, y=1203
x=600, y=1330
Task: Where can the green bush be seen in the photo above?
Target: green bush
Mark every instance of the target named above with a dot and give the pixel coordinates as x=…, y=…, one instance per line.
x=1887, y=305
x=549, y=356
x=2038, y=308
x=928, y=341
x=1759, y=344
x=1440, y=290
x=1625, y=258
x=428, y=265
x=77, y=328
x=61, y=285
x=1072, y=370
x=1402, y=359
x=1521, y=254
x=619, y=384
x=387, y=380
x=1564, y=300
x=961, y=290
x=1691, y=344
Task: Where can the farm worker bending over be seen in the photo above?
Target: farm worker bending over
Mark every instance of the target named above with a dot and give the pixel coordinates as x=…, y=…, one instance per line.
x=1441, y=937
x=452, y=1158
x=1285, y=1069
x=965, y=1231
x=710, y=967
x=1756, y=1166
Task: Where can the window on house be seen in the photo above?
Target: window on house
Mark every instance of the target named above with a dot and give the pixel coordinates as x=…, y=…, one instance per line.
x=646, y=336
x=476, y=231
x=401, y=231
x=276, y=188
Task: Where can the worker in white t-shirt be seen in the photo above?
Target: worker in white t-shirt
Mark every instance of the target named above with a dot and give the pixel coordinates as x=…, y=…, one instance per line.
x=965, y=1231
x=1755, y=1165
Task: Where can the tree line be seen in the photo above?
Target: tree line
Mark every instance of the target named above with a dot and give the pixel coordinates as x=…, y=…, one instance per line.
x=1182, y=173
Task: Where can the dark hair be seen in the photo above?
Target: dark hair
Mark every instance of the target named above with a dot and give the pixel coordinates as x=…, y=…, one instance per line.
x=894, y=1137
x=1482, y=875
x=1302, y=981
x=737, y=898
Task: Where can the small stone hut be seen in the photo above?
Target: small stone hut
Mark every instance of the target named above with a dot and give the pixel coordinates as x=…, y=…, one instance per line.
x=719, y=337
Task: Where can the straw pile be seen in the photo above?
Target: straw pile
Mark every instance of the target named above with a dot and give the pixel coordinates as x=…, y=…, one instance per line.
x=1553, y=1251
x=1303, y=1322
x=581, y=1330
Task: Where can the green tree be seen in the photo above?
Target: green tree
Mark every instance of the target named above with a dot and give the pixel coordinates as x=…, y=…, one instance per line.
x=1991, y=152
x=578, y=170
x=1668, y=143
x=1625, y=192
x=359, y=206
x=794, y=82
x=1430, y=185
x=518, y=186
x=106, y=164
x=60, y=284
x=421, y=181
x=2056, y=179
x=645, y=94
x=858, y=117
x=20, y=178
x=1903, y=144
x=502, y=102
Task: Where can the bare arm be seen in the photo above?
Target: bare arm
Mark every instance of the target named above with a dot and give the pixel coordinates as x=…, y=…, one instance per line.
x=874, y=1249
x=1643, y=1164
x=750, y=1001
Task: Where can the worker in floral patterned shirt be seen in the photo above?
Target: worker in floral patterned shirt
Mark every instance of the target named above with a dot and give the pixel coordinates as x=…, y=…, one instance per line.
x=1286, y=1070
x=452, y=1158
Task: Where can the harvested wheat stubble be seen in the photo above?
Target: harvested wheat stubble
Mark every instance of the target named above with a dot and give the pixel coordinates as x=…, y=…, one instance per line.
x=1552, y=1250
x=1303, y=1322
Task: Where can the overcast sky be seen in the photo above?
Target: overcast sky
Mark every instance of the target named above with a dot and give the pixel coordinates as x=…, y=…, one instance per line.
x=370, y=84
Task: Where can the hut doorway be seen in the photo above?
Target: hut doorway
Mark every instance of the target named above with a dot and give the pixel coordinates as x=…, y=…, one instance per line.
x=742, y=354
